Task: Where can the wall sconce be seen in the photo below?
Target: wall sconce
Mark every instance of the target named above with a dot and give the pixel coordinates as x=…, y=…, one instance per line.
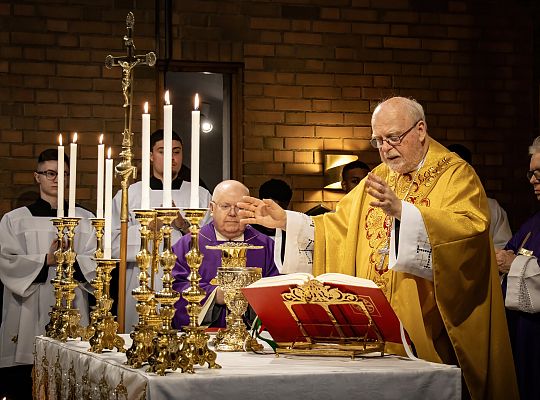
x=333, y=164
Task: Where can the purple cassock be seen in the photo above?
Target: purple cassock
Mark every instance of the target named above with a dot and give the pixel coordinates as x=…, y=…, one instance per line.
x=524, y=328
x=262, y=258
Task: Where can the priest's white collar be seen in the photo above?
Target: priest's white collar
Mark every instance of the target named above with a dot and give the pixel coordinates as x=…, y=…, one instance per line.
x=220, y=237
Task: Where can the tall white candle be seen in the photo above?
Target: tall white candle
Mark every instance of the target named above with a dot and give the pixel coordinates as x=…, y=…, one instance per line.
x=167, y=152
x=195, y=144
x=145, y=173
x=107, y=234
x=60, y=181
x=100, y=166
x=72, y=175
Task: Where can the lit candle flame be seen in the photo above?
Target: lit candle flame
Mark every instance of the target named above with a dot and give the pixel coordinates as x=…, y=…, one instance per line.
x=109, y=153
x=146, y=106
x=101, y=139
x=60, y=139
x=167, y=98
x=196, y=101
x=74, y=138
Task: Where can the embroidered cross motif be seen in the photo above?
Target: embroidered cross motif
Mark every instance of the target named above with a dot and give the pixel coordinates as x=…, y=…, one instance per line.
x=423, y=254
x=307, y=251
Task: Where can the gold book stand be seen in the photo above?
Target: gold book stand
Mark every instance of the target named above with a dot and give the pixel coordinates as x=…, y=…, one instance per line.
x=332, y=322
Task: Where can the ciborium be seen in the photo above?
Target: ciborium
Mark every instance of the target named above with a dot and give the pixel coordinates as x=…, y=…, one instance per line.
x=232, y=276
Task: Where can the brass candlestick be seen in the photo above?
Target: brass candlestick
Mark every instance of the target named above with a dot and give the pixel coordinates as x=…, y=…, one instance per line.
x=51, y=330
x=71, y=316
x=195, y=345
x=166, y=353
x=143, y=333
x=105, y=336
x=231, y=277
x=99, y=225
x=96, y=313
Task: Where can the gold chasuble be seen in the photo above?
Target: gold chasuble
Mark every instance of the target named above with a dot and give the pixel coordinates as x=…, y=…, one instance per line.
x=459, y=317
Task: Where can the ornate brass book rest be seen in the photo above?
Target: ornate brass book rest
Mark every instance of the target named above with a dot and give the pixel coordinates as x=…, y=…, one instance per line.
x=323, y=314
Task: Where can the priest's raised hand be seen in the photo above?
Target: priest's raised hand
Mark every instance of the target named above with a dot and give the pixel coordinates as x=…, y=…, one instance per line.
x=264, y=212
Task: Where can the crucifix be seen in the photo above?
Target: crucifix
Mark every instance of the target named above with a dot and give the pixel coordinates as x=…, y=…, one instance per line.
x=124, y=168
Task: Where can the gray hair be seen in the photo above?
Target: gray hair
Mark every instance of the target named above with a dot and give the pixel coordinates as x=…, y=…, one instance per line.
x=535, y=147
x=414, y=109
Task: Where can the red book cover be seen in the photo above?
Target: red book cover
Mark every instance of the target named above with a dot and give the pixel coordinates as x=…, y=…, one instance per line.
x=268, y=303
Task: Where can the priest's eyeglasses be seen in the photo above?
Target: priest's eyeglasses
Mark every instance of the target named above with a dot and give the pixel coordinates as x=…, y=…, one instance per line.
x=50, y=174
x=535, y=173
x=226, y=207
x=394, y=140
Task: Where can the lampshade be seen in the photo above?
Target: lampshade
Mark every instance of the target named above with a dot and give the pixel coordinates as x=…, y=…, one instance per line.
x=333, y=164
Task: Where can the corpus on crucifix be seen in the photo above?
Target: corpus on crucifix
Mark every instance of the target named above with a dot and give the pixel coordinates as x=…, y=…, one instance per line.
x=124, y=168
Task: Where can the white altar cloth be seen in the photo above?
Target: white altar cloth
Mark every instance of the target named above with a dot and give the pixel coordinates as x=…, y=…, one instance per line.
x=70, y=368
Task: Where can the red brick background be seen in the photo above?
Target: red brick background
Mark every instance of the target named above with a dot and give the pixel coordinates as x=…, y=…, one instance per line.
x=313, y=72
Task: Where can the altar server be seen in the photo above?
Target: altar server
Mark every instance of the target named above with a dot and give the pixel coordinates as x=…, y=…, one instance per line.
x=27, y=265
x=441, y=275
x=181, y=190
x=226, y=227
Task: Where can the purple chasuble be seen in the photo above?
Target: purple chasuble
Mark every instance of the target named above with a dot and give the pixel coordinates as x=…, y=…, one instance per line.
x=262, y=258
x=524, y=328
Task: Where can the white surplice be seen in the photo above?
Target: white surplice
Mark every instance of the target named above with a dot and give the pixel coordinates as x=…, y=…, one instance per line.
x=180, y=197
x=499, y=228
x=25, y=241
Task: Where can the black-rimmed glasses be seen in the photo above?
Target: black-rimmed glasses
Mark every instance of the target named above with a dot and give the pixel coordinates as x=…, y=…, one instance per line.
x=394, y=140
x=535, y=173
x=50, y=174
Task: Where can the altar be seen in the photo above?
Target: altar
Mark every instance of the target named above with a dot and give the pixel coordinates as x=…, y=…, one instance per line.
x=65, y=370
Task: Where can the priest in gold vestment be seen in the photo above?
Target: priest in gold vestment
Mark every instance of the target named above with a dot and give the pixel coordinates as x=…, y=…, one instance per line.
x=418, y=226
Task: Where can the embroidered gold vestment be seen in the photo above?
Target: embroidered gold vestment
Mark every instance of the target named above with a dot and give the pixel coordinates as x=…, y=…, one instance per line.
x=459, y=317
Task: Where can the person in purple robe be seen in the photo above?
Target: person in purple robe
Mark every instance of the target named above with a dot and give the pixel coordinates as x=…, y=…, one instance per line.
x=521, y=285
x=225, y=227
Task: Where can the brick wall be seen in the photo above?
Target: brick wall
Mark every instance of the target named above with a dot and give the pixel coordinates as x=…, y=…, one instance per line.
x=314, y=70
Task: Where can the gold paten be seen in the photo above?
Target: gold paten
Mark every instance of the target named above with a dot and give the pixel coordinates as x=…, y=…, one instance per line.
x=316, y=293
x=195, y=340
x=231, y=277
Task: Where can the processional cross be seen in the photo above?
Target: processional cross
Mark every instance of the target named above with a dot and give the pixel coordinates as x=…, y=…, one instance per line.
x=125, y=169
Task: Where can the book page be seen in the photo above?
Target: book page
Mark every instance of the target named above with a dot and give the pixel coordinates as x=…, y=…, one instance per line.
x=206, y=306
x=333, y=277
x=296, y=278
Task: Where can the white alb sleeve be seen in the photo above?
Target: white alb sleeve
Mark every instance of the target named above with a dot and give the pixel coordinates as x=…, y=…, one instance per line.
x=413, y=254
x=523, y=285
x=299, y=243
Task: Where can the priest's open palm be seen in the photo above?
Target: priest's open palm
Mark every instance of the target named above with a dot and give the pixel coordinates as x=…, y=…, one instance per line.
x=263, y=212
x=385, y=198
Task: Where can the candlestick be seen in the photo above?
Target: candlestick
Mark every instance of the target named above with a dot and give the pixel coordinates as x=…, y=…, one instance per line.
x=107, y=236
x=195, y=138
x=100, y=165
x=145, y=174
x=167, y=152
x=72, y=175
x=60, y=181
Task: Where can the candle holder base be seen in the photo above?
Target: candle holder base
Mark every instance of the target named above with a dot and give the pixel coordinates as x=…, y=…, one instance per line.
x=195, y=349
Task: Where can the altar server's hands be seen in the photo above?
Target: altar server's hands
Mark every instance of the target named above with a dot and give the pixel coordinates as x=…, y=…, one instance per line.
x=263, y=212
x=385, y=198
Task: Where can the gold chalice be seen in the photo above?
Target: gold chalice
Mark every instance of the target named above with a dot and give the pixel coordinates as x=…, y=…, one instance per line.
x=232, y=276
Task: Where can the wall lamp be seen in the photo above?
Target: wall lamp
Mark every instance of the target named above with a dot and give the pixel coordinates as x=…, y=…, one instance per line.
x=333, y=164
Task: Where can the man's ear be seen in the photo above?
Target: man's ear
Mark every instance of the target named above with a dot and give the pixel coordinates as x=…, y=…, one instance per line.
x=343, y=186
x=36, y=177
x=422, y=131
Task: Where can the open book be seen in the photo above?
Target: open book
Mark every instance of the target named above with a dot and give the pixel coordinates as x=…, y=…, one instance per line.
x=338, y=319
